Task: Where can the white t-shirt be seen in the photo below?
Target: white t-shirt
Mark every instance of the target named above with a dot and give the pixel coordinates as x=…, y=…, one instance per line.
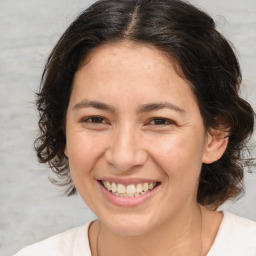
x=236, y=237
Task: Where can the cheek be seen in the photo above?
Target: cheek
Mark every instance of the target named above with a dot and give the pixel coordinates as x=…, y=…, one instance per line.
x=83, y=155
x=178, y=156
x=83, y=152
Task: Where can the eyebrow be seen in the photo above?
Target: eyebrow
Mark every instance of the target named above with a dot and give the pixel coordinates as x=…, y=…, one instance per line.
x=93, y=104
x=157, y=106
x=142, y=109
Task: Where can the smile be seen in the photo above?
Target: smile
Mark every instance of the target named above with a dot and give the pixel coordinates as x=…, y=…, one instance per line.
x=131, y=190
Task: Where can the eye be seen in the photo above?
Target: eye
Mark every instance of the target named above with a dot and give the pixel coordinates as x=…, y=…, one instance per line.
x=158, y=121
x=94, y=120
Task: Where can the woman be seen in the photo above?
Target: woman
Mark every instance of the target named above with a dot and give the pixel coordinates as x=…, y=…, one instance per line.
x=140, y=114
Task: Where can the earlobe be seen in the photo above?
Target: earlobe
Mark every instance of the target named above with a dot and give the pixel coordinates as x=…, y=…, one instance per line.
x=216, y=145
x=66, y=151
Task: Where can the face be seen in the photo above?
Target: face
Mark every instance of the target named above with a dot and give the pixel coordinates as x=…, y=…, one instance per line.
x=135, y=138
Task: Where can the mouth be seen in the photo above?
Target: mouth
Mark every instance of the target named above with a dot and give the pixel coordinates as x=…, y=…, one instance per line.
x=131, y=190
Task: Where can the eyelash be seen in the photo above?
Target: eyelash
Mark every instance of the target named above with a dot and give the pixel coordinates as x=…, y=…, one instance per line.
x=161, y=120
x=158, y=121
x=94, y=120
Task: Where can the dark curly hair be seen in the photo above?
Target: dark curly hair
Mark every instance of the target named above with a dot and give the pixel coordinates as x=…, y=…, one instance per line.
x=189, y=36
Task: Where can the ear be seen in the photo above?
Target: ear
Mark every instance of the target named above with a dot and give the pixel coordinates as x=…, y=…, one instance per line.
x=216, y=144
x=66, y=151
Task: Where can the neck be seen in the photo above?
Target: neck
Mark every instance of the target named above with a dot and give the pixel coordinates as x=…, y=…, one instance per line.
x=179, y=236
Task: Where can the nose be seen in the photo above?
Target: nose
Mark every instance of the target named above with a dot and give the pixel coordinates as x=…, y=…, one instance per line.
x=125, y=152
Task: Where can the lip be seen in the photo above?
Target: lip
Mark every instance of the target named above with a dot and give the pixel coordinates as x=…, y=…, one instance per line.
x=127, y=201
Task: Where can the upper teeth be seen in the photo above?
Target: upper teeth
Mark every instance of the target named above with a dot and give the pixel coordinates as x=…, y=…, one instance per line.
x=130, y=190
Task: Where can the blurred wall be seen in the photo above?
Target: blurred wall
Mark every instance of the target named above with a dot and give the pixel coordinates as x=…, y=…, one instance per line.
x=31, y=208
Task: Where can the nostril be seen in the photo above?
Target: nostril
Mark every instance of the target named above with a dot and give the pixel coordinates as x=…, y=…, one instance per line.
x=125, y=158
x=123, y=161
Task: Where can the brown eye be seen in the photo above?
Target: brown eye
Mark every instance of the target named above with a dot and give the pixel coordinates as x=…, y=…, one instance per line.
x=160, y=121
x=94, y=120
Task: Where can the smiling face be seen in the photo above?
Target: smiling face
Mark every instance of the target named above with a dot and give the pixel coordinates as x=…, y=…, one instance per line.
x=134, y=128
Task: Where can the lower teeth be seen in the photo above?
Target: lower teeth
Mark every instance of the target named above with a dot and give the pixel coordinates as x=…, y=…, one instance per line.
x=130, y=195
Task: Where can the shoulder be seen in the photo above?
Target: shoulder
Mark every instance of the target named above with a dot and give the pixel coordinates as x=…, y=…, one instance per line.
x=236, y=237
x=72, y=242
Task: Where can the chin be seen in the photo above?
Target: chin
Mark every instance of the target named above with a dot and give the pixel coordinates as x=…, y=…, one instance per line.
x=127, y=226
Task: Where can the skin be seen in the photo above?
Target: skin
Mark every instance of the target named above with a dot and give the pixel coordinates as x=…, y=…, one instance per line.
x=123, y=141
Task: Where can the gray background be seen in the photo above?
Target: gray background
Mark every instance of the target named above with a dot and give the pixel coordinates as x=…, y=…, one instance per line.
x=30, y=207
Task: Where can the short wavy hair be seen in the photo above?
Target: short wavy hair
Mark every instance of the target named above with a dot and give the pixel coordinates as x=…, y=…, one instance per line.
x=186, y=34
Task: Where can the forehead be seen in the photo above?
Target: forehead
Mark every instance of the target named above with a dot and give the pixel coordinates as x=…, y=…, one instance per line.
x=135, y=53
x=130, y=58
x=130, y=70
